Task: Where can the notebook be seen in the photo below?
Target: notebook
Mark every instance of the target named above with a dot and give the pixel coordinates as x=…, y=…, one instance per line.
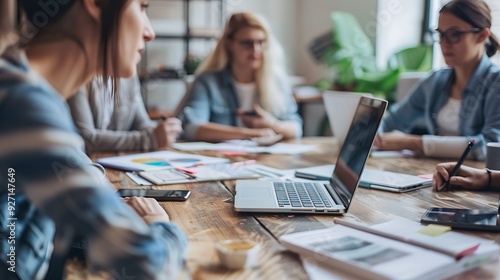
x=213, y=172
x=331, y=197
x=371, y=178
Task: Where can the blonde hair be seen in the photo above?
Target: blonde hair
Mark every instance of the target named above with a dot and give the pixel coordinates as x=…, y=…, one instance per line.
x=270, y=95
x=7, y=24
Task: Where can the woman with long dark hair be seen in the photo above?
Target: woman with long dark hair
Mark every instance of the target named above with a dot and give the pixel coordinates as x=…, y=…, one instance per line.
x=50, y=190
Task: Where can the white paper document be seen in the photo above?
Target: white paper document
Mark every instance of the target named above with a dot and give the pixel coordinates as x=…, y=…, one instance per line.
x=361, y=252
x=157, y=161
x=245, y=146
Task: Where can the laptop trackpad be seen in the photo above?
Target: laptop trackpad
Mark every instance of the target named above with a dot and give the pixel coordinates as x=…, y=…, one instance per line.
x=254, y=193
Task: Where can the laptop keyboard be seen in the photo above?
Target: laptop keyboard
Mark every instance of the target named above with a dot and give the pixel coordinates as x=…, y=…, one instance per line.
x=301, y=194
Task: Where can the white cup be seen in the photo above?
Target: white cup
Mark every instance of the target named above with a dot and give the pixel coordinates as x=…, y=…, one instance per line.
x=493, y=155
x=237, y=253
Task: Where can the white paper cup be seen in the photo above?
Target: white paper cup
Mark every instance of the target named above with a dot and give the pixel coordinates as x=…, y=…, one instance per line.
x=237, y=253
x=493, y=155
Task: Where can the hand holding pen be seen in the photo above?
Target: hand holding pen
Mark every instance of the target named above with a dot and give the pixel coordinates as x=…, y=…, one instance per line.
x=443, y=172
x=167, y=131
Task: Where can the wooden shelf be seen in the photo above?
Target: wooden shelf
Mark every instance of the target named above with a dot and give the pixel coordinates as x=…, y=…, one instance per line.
x=195, y=33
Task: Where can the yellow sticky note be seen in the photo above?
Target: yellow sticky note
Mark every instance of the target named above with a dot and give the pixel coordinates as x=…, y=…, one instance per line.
x=434, y=230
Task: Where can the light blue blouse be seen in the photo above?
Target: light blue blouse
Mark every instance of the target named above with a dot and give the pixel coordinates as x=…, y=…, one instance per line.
x=479, y=117
x=213, y=98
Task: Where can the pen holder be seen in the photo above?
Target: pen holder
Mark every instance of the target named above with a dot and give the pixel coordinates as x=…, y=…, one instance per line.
x=237, y=253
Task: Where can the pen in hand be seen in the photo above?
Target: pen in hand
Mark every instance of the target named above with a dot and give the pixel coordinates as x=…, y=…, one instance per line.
x=455, y=169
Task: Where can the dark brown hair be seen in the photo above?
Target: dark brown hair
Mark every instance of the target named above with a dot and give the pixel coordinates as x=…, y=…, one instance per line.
x=476, y=13
x=42, y=14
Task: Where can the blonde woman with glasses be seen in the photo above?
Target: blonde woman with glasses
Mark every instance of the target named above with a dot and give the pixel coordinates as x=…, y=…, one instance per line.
x=241, y=89
x=459, y=103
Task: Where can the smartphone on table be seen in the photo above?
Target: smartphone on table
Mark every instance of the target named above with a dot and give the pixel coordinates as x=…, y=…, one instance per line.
x=249, y=113
x=160, y=195
x=462, y=218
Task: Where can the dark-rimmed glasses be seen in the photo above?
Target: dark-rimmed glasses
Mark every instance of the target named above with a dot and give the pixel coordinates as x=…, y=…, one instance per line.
x=250, y=44
x=452, y=36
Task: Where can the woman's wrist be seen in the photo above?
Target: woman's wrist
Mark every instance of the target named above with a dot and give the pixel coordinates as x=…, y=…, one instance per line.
x=415, y=143
x=247, y=133
x=488, y=173
x=277, y=126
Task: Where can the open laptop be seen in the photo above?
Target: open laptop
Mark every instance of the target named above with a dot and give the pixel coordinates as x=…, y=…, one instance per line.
x=330, y=197
x=340, y=107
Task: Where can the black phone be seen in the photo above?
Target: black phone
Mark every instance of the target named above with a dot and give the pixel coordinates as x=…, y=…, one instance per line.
x=250, y=113
x=160, y=195
x=463, y=218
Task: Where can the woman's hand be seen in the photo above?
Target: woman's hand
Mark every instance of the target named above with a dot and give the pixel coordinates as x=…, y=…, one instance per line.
x=261, y=119
x=259, y=132
x=466, y=177
x=167, y=131
x=148, y=208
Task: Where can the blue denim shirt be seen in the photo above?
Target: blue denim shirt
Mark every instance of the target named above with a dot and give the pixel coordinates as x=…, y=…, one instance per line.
x=56, y=193
x=479, y=116
x=213, y=98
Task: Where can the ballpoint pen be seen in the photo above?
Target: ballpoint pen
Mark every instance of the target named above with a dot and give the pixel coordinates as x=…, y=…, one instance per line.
x=186, y=171
x=453, y=172
x=498, y=211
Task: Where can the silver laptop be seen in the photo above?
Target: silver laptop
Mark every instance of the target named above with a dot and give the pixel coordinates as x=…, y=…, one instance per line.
x=326, y=197
x=371, y=178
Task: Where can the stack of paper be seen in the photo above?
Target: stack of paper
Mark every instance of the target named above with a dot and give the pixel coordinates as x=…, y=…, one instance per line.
x=245, y=146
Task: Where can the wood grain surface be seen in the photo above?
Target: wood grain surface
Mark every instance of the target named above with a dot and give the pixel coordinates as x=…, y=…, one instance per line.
x=208, y=216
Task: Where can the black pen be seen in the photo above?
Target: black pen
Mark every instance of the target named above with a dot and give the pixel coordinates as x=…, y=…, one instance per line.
x=498, y=211
x=453, y=172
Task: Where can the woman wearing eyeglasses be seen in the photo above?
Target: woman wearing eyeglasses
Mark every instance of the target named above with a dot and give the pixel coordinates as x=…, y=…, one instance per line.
x=459, y=103
x=241, y=90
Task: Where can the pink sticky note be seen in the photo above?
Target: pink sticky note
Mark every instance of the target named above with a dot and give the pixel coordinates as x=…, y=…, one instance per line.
x=426, y=176
x=233, y=153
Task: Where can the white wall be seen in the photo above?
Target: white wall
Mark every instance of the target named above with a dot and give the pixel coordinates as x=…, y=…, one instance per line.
x=313, y=19
x=281, y=15
x=399, y=25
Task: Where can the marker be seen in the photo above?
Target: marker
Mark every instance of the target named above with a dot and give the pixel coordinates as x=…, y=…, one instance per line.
x=498, y=211
x=453, y=172
x=186, y=170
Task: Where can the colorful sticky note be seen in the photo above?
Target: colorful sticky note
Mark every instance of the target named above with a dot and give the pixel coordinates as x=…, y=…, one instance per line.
x=434, y=230
x=425, y=176
x=233, y=153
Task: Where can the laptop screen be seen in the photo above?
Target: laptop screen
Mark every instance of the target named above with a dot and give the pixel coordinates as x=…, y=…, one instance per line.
x=356, y=147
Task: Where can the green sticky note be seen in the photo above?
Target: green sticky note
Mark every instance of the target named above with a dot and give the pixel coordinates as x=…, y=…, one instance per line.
x=434, y=230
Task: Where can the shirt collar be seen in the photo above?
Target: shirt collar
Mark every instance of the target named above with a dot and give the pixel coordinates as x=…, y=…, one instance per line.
x=481, y=70
x=227, y=77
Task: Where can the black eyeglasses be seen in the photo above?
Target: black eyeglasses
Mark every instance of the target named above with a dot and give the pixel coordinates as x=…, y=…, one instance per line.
x=452, y=36
x=250, y=44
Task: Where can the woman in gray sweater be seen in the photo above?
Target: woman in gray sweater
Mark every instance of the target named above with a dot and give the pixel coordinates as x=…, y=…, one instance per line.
x=120, y=123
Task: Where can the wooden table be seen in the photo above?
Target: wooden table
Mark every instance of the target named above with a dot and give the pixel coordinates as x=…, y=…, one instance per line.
x=208, y=215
